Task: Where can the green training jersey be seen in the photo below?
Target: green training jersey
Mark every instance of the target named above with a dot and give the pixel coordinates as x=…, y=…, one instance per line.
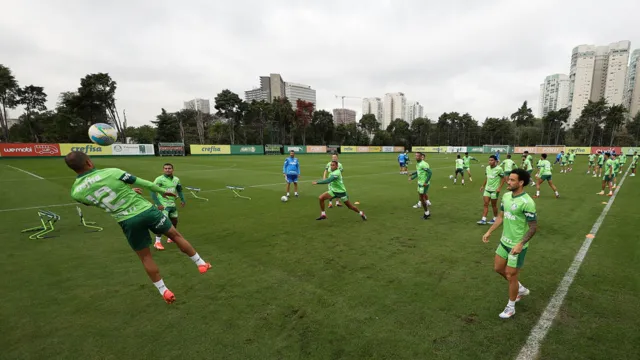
x=616, y=166
x=424, y=172
x=172, y=184
x=459, y=163
x=109, y=189
x=572, y=157
x=493, y=177
x=336, y=185
x=600, y=159
x=634, y=160
x=530, y=158
x=545, y=167
x=509, y=165
x=592, y=157
x=608, y=165
x=563, y=158
x=328, y=167
x=467, y=160
x=527, y=165
x=518, y=211
x=623, y=158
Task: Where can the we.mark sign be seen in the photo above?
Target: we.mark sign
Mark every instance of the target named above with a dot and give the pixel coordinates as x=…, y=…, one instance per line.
x=28, y=149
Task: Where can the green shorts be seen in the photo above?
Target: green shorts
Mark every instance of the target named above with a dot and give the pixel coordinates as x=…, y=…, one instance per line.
x=600, y=165
x=171, y=212
x=513, y=261
x=137, y=228
x=545, y=177
x=570, y=162
x=563, y=164
x=491, y=194
x=591, y=163
x=459, y=171
x=339, y=195
x=423, y=189
x=608, y=178
x=465, y=168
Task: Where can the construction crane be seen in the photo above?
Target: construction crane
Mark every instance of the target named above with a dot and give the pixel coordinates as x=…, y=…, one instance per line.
x=345, y=96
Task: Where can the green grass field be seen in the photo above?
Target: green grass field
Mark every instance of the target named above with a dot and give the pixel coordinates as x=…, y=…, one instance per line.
x=285, y=286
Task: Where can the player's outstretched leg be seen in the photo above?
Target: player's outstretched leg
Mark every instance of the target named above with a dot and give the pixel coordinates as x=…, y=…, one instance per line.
x=554, y=188
x=186, y=248
x=322, y=198
x=538, y=183
x=354, y=208
x=154, y=274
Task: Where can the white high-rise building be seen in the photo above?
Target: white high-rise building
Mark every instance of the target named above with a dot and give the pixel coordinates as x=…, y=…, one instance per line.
x=198, y=104
x=394, y=104
x=294, y=91
x=413, y=110
x=373, y=106
x=597, y=72
x=632, y=88
x=554, y=94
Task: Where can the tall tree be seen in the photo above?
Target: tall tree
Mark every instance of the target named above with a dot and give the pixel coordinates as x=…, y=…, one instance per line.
x=167, y=128
x=369, y=124
x=420, y=130
x=400, y=132
x=231, y=107
x=613, y=121
x=633, y=129
x=34, y=99
x=97, y=94
x=8, y=97
x=523, y=116
x=304, y=114
x=322, y=127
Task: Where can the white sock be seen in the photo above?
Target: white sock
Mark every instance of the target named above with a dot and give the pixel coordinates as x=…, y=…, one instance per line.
x=196, y=259
x=537, y=193
x=557, y=193
x=361, y=212
x=323, y=214
x=484, y=218
x=454, y=180
x=511, y=303
x=520, y=286
x=296, y=193
x=158, y=238
x=463, y=181
x=426, y=212
x=287, y=194
x=428, y=203
x=161, y=287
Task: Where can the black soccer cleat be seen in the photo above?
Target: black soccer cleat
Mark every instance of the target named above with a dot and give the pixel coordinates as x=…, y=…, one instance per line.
x=364, y=217
x=426, y=217
x=322, y=217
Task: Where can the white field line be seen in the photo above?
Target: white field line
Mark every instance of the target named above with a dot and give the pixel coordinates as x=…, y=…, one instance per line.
x=26, y=172
x=531, y=348
x=38, y=207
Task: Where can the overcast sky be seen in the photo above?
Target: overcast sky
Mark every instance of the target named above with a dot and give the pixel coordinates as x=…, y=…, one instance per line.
x=482, y=57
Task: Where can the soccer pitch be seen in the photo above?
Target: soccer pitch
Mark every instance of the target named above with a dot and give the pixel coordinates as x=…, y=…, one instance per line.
x=285, y=286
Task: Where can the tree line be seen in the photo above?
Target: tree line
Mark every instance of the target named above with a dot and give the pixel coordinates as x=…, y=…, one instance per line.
x=236, y=121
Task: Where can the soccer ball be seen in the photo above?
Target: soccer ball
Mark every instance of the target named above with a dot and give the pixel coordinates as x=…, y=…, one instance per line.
x=102, y=134
x=284, y=199
x=450, y=177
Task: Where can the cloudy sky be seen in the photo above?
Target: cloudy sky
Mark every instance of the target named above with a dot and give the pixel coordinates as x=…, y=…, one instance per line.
x=482, y=57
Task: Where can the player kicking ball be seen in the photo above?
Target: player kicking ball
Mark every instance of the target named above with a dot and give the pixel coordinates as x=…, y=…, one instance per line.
x=168, y=205
x=518, y=212
x=336, y=190
x=109, y=189
x=327, y=170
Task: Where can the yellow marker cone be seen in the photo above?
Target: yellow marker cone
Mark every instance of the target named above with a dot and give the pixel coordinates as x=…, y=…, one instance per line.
x=357, y=203
x=444, y=187
x=590, y=236
x=604, y=203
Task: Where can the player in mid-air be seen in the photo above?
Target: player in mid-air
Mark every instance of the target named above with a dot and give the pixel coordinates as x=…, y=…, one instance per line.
x=592, y=164
x=327, y=170
x=459, y=169
x=571, y=160
x=518, y=213
x=291, y=171
x=423, y=173
x=168, y=205
x=508, y=165
x=402, y=161
x=526, y=165
x=109, y=189
x=544, y=174
x=634, y=163
x=609, y=173
x=336, y=190
x=491, y=189
x=467, y=164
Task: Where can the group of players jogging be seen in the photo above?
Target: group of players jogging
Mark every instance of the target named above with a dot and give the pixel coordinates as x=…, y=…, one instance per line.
x=113, y=190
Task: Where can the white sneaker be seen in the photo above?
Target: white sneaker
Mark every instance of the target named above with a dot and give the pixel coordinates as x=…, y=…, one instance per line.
x=508, y=312
x=417, y=206
x=522, y=292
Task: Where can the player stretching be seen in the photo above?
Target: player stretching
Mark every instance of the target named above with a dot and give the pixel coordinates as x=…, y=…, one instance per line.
x=423, y=173
x=544, y=174
x=572, y=159
x=592, y=164
x=402, y=161
x=467, y=164
x=291, y=171
x=167, y=205
x=109, y=189
x=336, y=190
x=491, y=189
x=518, y=212
x=459, y=170
x=634, y=163
x=526, y=165
x=327, y=170
x=608, y=175
x=600, y=164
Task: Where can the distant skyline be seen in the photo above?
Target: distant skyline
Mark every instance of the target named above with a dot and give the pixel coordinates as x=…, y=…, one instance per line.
x=164, y=54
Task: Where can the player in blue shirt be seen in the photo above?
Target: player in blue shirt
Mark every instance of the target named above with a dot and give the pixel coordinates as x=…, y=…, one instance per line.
x=291, y=171
x=558, y=158
x=402, y=161
x=497, y=155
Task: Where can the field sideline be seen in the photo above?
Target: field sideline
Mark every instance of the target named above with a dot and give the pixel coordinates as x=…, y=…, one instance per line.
x=284, y=286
